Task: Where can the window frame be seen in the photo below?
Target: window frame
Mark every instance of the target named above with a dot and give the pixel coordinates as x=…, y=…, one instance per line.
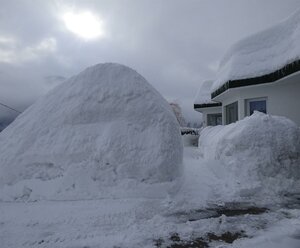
x=236, y=103
x=257, y=99
x=214, y=115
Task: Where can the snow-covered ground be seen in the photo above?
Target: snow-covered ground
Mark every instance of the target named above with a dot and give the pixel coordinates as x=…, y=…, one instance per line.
x=98, y=163
x=196, y=214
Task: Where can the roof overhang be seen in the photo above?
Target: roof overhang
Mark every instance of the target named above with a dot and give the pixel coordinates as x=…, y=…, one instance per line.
x=207, y=105
x=268, y=78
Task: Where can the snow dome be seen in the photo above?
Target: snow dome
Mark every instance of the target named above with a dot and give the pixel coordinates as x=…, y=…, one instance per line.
x=98, y=134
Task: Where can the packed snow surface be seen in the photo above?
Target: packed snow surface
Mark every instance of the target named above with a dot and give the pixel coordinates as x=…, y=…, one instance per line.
x=103, y=133
x=262, y=53
x=204, y=93
x=151, y=223
x=260, y=154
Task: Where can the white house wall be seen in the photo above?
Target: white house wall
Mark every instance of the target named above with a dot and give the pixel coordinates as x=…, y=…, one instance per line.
x=283, y=98
x=207, y=111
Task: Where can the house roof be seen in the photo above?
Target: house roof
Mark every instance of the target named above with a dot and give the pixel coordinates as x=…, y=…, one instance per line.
x=204, y=92
x=203, y=97
x=261, y=58
x=207, y=105
x=269, y=78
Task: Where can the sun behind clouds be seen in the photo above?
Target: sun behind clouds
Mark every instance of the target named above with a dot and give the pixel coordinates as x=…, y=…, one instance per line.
x=84, y=24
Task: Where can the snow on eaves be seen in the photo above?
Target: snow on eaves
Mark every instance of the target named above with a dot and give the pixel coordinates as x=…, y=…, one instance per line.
x=262, y=53
x=204, y=93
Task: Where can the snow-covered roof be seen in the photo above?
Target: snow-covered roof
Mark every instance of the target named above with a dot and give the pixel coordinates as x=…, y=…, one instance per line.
x=204, y=93
x=262, y=53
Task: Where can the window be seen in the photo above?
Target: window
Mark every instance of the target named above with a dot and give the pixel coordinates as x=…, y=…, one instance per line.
x=257, y=104
x=231, y=112
x=214, y=119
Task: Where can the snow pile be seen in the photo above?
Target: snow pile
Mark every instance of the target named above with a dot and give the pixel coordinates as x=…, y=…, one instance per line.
x=204, y=93
x=103, y=133
x=259, y=154
x=262, y=53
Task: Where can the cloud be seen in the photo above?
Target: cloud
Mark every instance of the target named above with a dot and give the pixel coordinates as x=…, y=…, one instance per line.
x=11, y=51
x=174, y=44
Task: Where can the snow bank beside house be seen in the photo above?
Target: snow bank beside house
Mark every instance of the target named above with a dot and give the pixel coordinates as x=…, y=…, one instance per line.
x=259, y=154
x=262, y=53
x=103, y=133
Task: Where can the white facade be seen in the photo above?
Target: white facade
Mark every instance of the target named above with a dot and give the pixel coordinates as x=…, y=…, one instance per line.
x=211, y=115
x=209, y=111
x=282, y=98
x=264, y=57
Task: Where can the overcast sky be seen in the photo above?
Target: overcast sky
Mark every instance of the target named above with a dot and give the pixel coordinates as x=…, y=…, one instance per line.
x=174, y=44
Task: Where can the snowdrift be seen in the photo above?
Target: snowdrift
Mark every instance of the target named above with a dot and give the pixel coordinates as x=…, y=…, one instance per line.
x=103, y=133
x=259, y=154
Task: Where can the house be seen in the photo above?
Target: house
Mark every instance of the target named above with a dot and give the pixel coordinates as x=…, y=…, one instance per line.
x=211, y=111
x=261, y=72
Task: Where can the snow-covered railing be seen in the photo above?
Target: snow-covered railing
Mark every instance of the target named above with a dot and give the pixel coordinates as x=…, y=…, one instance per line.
x=189, y=130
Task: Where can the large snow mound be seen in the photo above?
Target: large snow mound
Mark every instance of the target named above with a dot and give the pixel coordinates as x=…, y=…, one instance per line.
x=101, y=133
x=261, y=153
x=262, y=53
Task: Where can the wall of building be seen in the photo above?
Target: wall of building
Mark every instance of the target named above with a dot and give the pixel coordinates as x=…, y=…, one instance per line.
x=283, y=98
x=206, y=111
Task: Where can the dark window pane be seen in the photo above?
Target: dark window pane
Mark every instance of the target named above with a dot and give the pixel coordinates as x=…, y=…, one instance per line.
x=232, y=113
x=219, y=120
x=260, y=106
x=214, y=119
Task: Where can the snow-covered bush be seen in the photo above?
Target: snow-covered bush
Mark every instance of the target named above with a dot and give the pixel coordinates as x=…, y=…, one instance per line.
x=105, y=132
x=190, y=136
x=260, y=149
x=178, y=113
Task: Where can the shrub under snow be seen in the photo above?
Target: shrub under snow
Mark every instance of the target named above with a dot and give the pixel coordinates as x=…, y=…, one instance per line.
x=105, y=132
x=260, y=151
